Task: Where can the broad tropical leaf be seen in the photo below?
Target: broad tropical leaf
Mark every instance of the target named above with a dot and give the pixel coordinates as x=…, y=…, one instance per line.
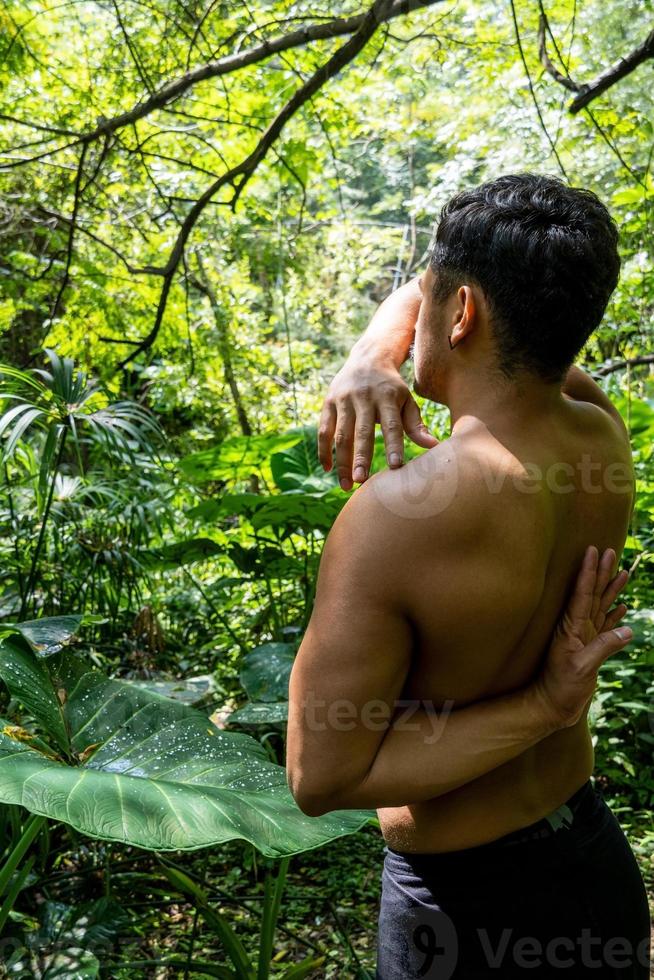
x=157, y=774
x=265, y=562
x=309, y=511
x=260, y=713
x=28, y=680
x=189, y=690
x=266, y=671
x=236, y=458
x=45, y=636
x=179, y=553
x=299, y=468
x=71, y=932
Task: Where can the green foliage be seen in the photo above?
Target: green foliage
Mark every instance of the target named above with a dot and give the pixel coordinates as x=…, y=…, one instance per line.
x=266, y=671
x=193, y=559
x=129, y=765
x=68, y=930
x=236, y=458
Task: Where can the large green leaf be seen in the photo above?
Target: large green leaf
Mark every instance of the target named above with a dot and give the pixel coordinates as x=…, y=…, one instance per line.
x=236, y=458
x=639, y=413
x=29, y=681
x=62, y=947
x=188, y=690
x=45, y=636
x=179, y=553
x=69, y=964
x=265, y=562
x=309, y=511
x=641, y=622
x=266, y=671
x=260, y=713
x=156, y=774
x=299, y=468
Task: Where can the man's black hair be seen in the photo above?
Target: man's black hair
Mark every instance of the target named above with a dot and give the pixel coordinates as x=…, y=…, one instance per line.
x=544, y=254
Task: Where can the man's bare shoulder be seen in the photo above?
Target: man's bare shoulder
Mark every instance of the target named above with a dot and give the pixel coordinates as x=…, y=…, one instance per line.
x=437, y=491
x=603, y=424
x=579, y=387
x=398, y=523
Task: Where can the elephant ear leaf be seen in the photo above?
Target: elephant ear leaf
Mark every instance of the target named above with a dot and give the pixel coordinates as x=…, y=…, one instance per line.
x=154, y=773
x=299, y=467
x=45, y=636
x=266, y=671
x=260, y=713
x=29, y=682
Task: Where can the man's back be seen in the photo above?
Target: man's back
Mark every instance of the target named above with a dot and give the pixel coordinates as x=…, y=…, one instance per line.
x=495, y=524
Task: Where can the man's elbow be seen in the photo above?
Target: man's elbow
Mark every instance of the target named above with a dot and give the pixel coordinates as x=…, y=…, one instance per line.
x=317, y=800
x=314, y=806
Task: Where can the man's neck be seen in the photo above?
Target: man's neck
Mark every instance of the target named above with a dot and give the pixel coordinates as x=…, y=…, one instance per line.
x=499, y=402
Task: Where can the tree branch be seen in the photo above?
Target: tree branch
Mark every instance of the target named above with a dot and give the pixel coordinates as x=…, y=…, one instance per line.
x=606, y=369
x=56, y=130
x=239, y=175
x=149, y=270
x=590, y=91
x=546, y=61
x=203, y=285
x=71, y=231
x=224, y=66
x=132, y=49
x=532, y=90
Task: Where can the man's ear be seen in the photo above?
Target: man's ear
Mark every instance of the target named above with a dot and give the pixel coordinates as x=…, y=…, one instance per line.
x=465, y=316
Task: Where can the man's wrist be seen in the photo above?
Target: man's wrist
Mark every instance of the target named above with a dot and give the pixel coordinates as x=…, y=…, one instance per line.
x=538, y=712
x=378, y=353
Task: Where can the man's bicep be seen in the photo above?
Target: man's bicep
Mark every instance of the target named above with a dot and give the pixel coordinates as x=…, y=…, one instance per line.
x=351, y=666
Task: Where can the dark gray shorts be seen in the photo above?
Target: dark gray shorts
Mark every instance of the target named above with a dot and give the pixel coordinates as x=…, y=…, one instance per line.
x=562, y=898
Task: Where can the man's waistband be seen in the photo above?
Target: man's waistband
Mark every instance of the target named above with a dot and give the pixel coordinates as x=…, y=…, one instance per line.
x=563, y=818
x=578, y=807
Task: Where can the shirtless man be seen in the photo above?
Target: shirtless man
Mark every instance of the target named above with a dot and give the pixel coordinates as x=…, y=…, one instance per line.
x=433, y=682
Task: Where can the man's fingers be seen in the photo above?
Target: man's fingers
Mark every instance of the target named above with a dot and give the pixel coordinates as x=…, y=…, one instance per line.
x=414, y=427
x=580, y=606
x=613, y=590
x=344, y=439
x=393, y=432
x=604, y=573
x=605, y=645
x=364, y=441
x=614, y=617
x=326, y=428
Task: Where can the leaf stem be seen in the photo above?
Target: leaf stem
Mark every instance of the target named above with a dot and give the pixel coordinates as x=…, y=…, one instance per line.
x=274, y=888
x=44, y=521
x=30, y=830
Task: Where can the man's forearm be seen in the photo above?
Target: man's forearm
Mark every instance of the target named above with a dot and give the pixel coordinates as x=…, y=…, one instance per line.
x=390, y=332
x=426, y=755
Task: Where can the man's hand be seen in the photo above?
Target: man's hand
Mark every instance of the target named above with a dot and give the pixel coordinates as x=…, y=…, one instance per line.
x=365, y=391
x=584, y=638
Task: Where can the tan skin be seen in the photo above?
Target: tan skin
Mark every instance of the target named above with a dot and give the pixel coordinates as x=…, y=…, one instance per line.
x=443, y=581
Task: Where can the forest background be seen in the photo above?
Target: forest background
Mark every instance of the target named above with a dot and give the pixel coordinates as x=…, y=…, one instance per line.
x=201, y=205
